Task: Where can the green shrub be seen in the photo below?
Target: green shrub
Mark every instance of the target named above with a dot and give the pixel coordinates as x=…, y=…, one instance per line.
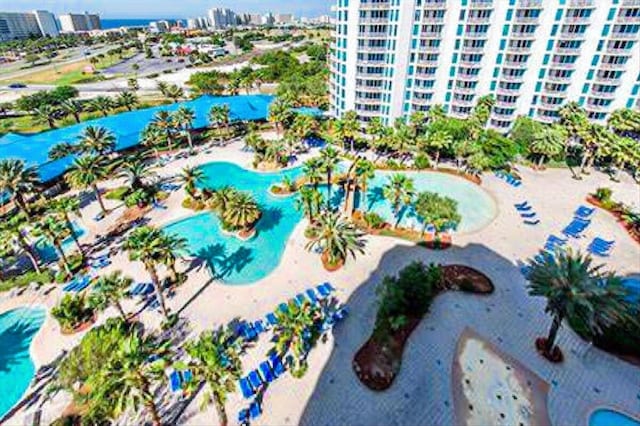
x=393, y=165
x=117, y=193
x=73, y=311
x=422, y=161
x=193, y=204
x=603, y=194
x=374, y=220
x=25, y=279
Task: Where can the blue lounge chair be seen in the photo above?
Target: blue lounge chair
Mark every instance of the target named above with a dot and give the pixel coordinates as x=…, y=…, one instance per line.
x=284, y=308
x=584, y=211
x=84, y=283
x=137, y=288
x=255, y=379
x=603, y=252
x=603, y=242
x=556, y=240
x=329, y=287
x=243, y=416
x=276, y=364
x=272, y=319
x=312, y=296
x=259, y=326
x=323, y=291
x=528, y=215
x=245, y=386
x=522, y=205
x=174, y=381
x=249, y=332
x=255, y=410
x=531, y=222
x=300, y=299
x=265, y=369
x=71, y=285
x=524, y=209
x=187, y=375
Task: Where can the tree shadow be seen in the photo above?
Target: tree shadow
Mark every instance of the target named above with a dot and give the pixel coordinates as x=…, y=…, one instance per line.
x=220, y=263
x=271, y=217
x=374, y=196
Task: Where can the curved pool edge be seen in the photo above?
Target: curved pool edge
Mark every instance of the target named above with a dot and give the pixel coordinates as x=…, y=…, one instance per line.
x=610, y=407
x=33, y=356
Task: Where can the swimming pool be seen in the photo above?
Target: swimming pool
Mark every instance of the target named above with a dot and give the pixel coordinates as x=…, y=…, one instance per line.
x=227, y=257
x=608, y=417
x=17, y=329
x=47, y=253
x=241, y=262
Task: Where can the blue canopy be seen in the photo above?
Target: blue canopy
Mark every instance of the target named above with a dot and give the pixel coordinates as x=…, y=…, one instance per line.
x=126, y=127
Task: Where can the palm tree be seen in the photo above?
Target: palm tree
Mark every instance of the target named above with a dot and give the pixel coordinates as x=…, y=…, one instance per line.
x=18, y=180
x=312, y=169
x=219, y=115
x=399, y=191
x=438, y=141
x=216, y=362
x=330, y=160
x=402, y=139
x=170, y=248
x=436, y=112
x=72, y=107
x=365, y=171
x=336, y=237
x=438, y=210
x=174, y=92
x=621, y=150
x=103, y=104
x=46, y=114
x=67, y=206
x=625, y=122
x=151, y=137
x=129, y=376
x=376, y=129
x=192, y=177
x=184, y=118
x=295, y=333
x=593, y=137
x=279, y=113
x=303, y=126
x=548, y=143
x=242, y=211
x=111, y=289
x=221, y=198
x=136, y=172
x=55, y=231
x=309, y=201
x=133, y=84
x=163, y=120
x=417, y=121
x=346, y=129
x=97, y=140
x=146, y=244
x=128, y=100
x=574, y=287
x=15, y=231
x=86, y=172
x=162, y=87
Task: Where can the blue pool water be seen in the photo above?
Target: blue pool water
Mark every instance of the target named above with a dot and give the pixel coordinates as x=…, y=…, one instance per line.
x=476, y=207
x=126, y=127
x=238, y=262
x=607, y=417
x=228, y=258
x=17, y=328
x=47, y=252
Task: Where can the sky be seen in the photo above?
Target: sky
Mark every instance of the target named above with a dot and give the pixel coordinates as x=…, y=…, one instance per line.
x=110, y=9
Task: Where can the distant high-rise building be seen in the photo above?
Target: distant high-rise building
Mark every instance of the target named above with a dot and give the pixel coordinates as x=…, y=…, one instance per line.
x=75, y=22
x=268, y=19
x=47, y=23
x=19, y=25
x=255, y=19
x=159, y=27
x=221, y=18
x=392, y=58
x=284, y=18
x=193, y=24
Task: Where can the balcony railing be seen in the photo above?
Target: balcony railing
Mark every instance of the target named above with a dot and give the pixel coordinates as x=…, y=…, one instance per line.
x=560, y=93
x=502, y=116
x=603, y=95
x=563, y=65
x=516, y=64
x=367, y=74
x=623, y=36
x=570, y=35
x=558, y=78
x=581, y=4
x=518, y=49
x=479, y=19
x=618, y=51
x=472, y=49
x=465, y=90
x=596, y=108
x=422, y=101
x=476, y=34
x=611, y=66
x=632, y=3
x=368, y=101
x=481, y=4
x=576, y=19
x=529, y=4
x=370, y=89
x=568, y=50
x=434, y=4
x=607, y=80
x=376, y=5
x=468, y=77
x=463, y=102
x=369, y=20
x=432, y=19
x=431, y=34
x=527, y=35
x=513, y=78
x=372, y=34
x=508, y=92
x=373, y=49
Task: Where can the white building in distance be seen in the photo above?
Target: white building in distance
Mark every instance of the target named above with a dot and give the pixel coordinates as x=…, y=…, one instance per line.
x=75, y=22
x=391, y=58
x=20, y=25
x=220, y=18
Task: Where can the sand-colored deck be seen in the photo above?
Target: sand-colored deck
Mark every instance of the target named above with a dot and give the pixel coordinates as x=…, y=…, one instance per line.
x=330, y=393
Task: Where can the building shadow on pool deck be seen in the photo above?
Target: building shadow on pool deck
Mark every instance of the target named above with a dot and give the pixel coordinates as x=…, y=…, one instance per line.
x=422, y=392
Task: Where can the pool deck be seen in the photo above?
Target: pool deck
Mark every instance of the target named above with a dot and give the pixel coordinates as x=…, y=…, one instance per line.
x=330, y=393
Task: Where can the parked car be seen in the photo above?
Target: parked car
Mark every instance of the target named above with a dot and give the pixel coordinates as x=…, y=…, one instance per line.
x=17, y=86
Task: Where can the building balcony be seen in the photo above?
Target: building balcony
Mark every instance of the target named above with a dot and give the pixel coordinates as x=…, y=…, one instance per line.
x=518, y=49
x=463, y=102
x=568, y=50
x=468, y=77
x=370, y=74
x=570, y=35
x=614, y=51
x=506, y=104
x=426, y=19
x=434, y=4
x=479, y=19
x=471, y=64
x=607, y=80
x=502, y=116
x=513, y=78
x=628, y=19
x=577, y=19
x=581, y=4
x=623, y=36
x=372, y=34
x=558, y=93
x=481, y=35
x=375, y=6
x=424, y=89
x=481, y=4
x=526, y=19
x=373, y=21
x=529, y=4
x=472, y=49
x=373, y=49
x=523, y=35
x=507, y=92
x=603, y=95
x=425, y=75
x=368, y=113
x=562, y=65
x=596, y=108
x=368, y=101
x=369, y=89
x=516, y=64
x=465, y=90
x=428, y=49
x=431, y=34
x=427, y=62
x=422, y=101
x=559, y=78
x=631, y=3
x=611, y=66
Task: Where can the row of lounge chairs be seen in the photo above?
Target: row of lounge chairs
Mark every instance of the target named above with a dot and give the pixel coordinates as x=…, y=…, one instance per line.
x=509, y=178
x=526, y=212
x=78, y=284
x=600, y=247
x=179, y=379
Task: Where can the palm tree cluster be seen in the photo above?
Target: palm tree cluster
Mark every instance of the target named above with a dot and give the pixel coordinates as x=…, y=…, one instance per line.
x=171, y=91
x=237, y=210
x=166, y=127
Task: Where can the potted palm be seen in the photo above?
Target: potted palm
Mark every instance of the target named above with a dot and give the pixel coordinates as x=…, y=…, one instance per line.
x=335, y=238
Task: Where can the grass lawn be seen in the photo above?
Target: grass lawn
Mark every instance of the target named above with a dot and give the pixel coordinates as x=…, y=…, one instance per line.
x=72, y=73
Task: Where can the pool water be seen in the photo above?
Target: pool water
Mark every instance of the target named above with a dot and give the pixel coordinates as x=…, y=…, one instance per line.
x=17, y=329
x=47, y=253
x=227, y=257
x=241, y=262
x=607, y=417
x=475, y=205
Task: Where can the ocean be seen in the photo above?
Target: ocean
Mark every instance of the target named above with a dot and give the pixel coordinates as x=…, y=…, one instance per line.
x=117, y=23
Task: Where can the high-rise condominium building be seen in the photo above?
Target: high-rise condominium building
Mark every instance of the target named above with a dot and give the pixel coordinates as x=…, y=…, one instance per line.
x=74, y=22
x=393, y=57
x=220, y=18
x=19, y=25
